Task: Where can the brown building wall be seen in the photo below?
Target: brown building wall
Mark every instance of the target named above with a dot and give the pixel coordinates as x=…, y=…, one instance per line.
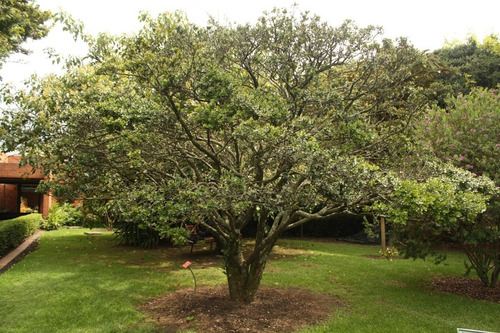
x=12, y=176
x=47, y=201
x=8, y=198
x=13, y=170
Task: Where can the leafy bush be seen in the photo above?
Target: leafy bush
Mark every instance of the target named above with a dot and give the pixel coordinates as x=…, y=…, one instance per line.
x=146, y=236
x=141, y=218
x=91, y=221
x=450, y=207
x=175, y=236
x=14, y=231
x=466, y=134
x=60, y=215
x=137, y=235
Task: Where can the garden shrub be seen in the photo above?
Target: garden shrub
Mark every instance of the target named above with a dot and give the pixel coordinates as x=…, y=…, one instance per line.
x=137, y=216
x=135, y=234
x=61, y=215
x=451, y=207
x=145, y=236
x=175, y=235
x=466, y=134
x=14, y=231
x=91, y=221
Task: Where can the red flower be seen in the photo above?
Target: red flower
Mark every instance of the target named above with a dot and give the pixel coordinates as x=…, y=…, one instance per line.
x=187, y=264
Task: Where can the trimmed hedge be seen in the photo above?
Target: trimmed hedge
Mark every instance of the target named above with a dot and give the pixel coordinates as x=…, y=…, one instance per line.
x=14, y=231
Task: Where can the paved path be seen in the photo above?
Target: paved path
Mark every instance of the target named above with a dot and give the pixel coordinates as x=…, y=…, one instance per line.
x=9, y=259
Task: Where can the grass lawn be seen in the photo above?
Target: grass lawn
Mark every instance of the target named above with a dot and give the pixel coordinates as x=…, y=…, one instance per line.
x=80, y=283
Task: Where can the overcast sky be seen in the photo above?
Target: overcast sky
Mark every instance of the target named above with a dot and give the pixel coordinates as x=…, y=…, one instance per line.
x=427, y=23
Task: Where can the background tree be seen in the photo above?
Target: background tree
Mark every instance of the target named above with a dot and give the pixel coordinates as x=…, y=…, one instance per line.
x=20, y=20
x=475, y=64
x=467, y=132
x=278, y=123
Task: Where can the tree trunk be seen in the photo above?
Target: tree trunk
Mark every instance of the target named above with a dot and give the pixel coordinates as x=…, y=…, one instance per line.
x=496, y=272
x=494, y=277
x=243, y=278
x=382, y=235
x=481, y=262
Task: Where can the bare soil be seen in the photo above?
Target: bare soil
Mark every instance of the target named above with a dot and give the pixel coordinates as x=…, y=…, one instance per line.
x=210, y=310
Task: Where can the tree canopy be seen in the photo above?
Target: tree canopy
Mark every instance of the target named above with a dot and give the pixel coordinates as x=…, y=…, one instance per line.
x=20, y=20
x=474, y=64
x=277, y=124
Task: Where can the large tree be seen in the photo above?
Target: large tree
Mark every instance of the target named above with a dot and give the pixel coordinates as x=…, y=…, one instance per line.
x=279, y=123
x=20, y=20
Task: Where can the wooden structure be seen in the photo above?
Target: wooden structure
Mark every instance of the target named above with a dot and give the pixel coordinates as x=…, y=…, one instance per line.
x=195, y=237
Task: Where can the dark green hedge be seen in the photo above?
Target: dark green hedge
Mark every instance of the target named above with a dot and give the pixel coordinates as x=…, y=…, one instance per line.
x=14, y=231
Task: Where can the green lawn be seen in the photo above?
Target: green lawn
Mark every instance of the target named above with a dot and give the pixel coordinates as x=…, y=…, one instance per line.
x=79, y=283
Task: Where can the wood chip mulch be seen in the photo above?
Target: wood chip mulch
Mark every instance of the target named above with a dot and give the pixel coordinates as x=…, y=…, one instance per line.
x=210, y=310
x=472, y=288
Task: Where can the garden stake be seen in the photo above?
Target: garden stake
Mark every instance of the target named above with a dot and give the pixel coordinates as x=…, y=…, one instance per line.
x=186, y=265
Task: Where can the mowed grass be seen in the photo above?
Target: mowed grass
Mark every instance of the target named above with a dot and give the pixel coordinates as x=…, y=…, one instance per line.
x=80, y=283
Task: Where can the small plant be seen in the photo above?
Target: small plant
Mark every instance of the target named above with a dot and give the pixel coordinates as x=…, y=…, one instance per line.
x=389, y=253
x=24, y=208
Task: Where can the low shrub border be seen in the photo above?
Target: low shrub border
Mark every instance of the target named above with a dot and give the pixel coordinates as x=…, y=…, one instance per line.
x=14, y=231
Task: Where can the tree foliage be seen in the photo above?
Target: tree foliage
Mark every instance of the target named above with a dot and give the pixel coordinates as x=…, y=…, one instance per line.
x=466, y=133
x=20, y=20
x=475, y=64
x=277, y=124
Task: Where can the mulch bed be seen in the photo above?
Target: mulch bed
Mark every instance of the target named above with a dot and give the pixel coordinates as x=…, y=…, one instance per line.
x=472, y=288
x=274, y=310
x=210, y=310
